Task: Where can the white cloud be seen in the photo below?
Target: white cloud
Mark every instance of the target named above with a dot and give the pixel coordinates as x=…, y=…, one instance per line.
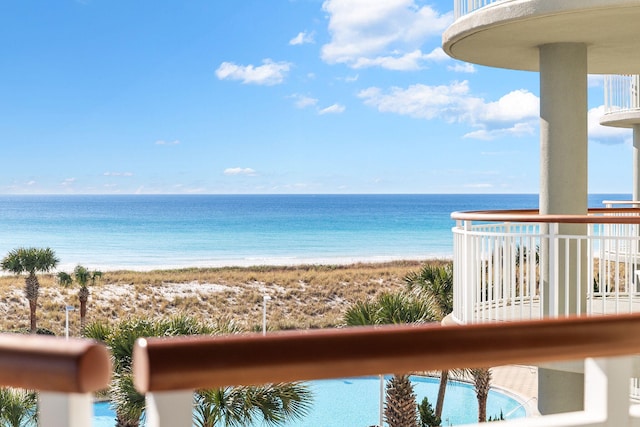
x=302, y=38
x=516, y=105
x=162, y=142
x=518, y=129
x=409, y=61
x=387, y=34
x=269, y=73
x=303, y=101
x=239, y=171
x=118, y=174
x=514, y=114
x=68, y=181
x=462, y=67
x=333, y=109
x=606, y=134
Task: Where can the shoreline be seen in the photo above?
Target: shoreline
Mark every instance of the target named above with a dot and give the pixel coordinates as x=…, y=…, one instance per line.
x=255, y=262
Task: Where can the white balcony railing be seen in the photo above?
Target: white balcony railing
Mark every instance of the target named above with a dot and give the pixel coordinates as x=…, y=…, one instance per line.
x=463, y=7
x=516, y=265
x=621, y=93
x=169, y=369
x=64, y=372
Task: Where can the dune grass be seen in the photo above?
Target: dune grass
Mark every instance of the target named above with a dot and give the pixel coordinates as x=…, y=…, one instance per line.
x=302, y=297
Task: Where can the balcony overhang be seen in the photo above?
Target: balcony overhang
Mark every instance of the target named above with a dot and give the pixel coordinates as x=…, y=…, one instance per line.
x=507, y=34
x=621, y=119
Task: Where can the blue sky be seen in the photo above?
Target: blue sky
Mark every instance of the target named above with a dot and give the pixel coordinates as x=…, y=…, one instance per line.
x=266, y=96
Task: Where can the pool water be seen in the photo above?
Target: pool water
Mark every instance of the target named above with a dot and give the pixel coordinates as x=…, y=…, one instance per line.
x=355, y=402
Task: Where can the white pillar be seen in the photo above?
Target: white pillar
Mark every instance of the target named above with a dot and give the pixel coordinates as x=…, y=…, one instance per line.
x=65, y=410
x=563, y=190
x=170, y=409
x=563, y=163
x=607, y=389
x=563, y=128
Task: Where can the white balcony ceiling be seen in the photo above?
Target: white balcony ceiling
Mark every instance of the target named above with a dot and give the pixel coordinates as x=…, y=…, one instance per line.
x=507, y=34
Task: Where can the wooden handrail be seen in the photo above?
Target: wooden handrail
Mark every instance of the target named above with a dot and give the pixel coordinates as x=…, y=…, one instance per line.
x=595, y=216
x=53, y=364
x=162, y=364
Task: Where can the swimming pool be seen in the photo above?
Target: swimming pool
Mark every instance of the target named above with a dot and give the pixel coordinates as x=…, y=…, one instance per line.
x=356, y=402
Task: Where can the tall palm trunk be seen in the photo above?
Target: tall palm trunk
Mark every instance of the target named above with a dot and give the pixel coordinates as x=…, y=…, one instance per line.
x=125, y=422
x=444, y=378
x=83, y=296
x=482, y=383
x=32, y=288
x=400, y=406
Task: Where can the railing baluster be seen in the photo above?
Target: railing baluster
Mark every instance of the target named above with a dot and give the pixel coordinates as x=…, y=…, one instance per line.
x=170, y=409
x=65, y=410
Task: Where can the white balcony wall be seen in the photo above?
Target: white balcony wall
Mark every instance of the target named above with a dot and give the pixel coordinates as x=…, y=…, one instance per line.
x=497, y=269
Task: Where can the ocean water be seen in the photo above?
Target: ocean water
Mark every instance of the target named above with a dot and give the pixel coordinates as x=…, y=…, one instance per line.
x=167, y=231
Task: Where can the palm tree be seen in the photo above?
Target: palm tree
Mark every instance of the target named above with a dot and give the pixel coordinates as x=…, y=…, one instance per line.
x=400, y=408
x=31, y=261
x=83, y=277
x=18, y=408
x=482, y=384
x=434, y=283
x=274, y=404
x=394, y=308
x=271, y=404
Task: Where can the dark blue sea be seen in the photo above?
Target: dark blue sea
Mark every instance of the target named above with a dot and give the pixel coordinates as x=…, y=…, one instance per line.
x=145, y=232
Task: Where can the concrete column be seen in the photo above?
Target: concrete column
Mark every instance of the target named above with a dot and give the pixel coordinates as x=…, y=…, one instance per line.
x=563, y=128
x=636, y=163
x=563, y=166
x=563, y=190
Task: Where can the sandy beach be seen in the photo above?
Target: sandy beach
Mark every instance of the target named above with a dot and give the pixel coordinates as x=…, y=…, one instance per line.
x=301, y=296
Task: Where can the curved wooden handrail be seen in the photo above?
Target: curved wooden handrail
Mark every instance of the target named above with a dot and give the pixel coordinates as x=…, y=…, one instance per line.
x=53, y=364
x=162, y=364
x=595, y=216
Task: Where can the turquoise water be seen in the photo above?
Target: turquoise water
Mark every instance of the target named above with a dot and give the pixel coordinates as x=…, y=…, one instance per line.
x=355, y=402
x=144, y=231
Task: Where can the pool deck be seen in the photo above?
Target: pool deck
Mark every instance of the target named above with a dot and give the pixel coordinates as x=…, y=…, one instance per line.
x=520, y=381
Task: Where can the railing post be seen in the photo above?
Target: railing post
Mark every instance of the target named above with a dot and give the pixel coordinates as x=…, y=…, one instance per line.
x=170, y=409
x=552, y=279
x=606, y=389
x=65, y=409
x=469, y=285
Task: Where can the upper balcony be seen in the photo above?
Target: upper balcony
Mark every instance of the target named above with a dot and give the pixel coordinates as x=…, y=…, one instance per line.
x=508, y=33
x=515, y=265
x=621, y=101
